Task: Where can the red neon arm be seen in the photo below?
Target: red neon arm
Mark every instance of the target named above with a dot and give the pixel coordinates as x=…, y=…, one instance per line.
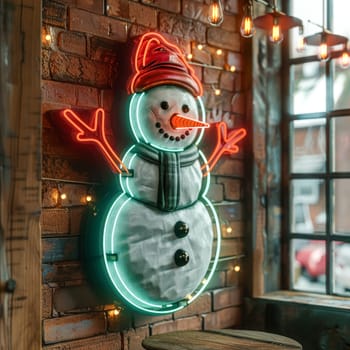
x=226, y=144
x=95, y=134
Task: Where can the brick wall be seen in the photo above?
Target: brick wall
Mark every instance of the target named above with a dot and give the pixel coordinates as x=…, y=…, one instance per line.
x=80, y=68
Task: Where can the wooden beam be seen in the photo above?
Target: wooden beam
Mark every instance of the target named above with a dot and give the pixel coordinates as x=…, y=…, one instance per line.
x=20, y=172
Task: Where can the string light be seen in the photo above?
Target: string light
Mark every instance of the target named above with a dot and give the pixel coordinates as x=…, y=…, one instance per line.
x=200, y=47
x=345, y=60
x=237, y=268
x=247, y=25
x=229, y=229
x=216, y=15
x=219, y=52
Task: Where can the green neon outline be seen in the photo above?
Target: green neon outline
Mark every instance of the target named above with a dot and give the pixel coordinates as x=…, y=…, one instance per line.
x=114, y=265
x=207, y=185
x=127, y=294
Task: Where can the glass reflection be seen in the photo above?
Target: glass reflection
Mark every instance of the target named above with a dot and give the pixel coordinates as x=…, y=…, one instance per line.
x=308, y=209
x=308, y=265
x=341, y=143
x=341, y=199
x=341, y=268
x=309, y=146
x=308, y=88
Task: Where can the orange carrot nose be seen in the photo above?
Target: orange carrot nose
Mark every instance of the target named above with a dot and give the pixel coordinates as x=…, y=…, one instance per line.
x=180, y=122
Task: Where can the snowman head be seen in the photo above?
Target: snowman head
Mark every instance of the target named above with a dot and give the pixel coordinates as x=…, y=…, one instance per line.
x=166, y=109
x=167, y=117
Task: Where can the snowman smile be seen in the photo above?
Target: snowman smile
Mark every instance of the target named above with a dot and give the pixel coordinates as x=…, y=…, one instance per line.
x=166, y=135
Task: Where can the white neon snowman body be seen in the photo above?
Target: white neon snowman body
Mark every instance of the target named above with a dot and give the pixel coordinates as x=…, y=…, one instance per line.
x=153, y=246
x=161, y=227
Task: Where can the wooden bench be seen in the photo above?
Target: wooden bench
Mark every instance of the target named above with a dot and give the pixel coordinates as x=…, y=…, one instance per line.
x=223, y=339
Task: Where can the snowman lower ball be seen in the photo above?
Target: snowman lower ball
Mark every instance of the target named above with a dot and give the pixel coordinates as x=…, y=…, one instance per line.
x=158, y=235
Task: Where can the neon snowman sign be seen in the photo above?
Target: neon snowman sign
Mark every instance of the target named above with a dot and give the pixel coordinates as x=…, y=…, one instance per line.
x=153, y=246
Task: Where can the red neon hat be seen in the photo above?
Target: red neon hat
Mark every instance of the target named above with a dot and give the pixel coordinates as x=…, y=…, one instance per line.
x=158, y=62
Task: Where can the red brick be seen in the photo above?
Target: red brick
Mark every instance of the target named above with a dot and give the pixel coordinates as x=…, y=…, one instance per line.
x=133, y=338
x=201, y=56
x=58, y=92
x=103, y=50
x=223, y=39
x=225, y=318
x=231, y=23
x=170, y=6
x=226, y=297
x=232, y=188
x=200, y=306
x=211, y=76
x=72, y=43
x=180, y=324
x=55, y=221
x=238, y=105
x=216, y=193
x=91, y=5
x=235, y=229
x=227, y=81
x=118, y=8
x=64, y=67
x=54, y=13
x=230, y=167
x=110, y=341
x=87, y=96
x=143, y=15
x=235, y=59
x=73, y=327
x=105, y=27
x=141, y=320
x=181, y=27
x=195, y=10
x=232, y=6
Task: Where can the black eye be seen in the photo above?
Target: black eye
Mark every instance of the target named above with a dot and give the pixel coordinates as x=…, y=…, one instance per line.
x=185, y=108
x=164, y=105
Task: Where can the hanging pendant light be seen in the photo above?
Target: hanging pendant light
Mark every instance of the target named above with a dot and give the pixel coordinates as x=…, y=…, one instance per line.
x=344, y=59
x=247, y=28
x=276, y=23
x=216, y=14
x=325, y=39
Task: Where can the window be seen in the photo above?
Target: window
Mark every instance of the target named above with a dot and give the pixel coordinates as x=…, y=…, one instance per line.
x=318, y=170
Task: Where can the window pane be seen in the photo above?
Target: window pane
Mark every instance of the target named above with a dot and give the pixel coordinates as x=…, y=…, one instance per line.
x=341, y=270
x=309, y=145
x=308, y=265
x=341, y=17
x=308, y=211
x=341, y=87
x=341, y=200
x=308, y=88
x=309, y=12
x=341, y=143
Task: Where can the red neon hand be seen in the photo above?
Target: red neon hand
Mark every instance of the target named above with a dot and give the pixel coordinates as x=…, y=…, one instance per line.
x=95, y=134
x=226, y=144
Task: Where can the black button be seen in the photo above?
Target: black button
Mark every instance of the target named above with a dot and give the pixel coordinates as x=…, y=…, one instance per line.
x=181, y=229
x=181, y=257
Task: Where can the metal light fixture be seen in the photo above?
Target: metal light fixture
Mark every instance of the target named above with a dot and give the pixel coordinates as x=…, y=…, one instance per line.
x=216, y=14
x=325, y=39
x=247, y=25
x=276, y=23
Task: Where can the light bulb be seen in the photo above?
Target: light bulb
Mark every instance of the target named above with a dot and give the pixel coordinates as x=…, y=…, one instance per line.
x=323, y=52
x=189, y=56
x=345, y=60
x=88, y=198
x=247, y=25
x=63, y=196
x=216, y=15
x=276, y=36
x=200, y=47
x=237, y=268
x=217, y=92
